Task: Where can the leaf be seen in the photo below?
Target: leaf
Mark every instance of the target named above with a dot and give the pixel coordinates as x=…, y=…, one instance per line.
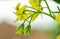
x=27, y=30
x=20, y=29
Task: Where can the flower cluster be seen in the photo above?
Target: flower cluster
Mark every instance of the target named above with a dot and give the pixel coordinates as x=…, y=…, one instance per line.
x=23, y=14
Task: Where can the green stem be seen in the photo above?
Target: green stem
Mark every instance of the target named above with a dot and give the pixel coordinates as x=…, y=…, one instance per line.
x=27, y=20
x=48, y=6
x=43, y=13
x=32, y=11
x=49, y=15
x=50, y=10
x=30, y=20
x=55, y=12
x=58, y=8
x=29, y=16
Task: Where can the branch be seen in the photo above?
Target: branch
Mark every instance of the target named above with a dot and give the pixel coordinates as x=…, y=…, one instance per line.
x=48, y=6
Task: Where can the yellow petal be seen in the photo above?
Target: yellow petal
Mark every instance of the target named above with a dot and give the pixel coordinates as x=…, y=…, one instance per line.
x=34, y=17
x=18, y=5
x=38, y=8
x=25, y=15
x=21, y=9
x=58, y=37
x=17, y=12
x=18, y=18
x=58, y=18
x=35, y=5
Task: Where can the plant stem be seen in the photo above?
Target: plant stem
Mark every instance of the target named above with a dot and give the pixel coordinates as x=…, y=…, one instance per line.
x=29, y=16
x=48, y=6
x=58, y=8
x=49, y=15
x=55, y=12
x=30, y=20
x=43, y=13
x=50, y=10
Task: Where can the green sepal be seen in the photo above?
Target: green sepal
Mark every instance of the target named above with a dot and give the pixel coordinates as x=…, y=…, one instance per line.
x=27, y=30
x=20, y=29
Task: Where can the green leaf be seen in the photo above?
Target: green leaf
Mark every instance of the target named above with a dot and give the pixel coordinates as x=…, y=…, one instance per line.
x=20, y=29
x=57, y=1
x=27, y=30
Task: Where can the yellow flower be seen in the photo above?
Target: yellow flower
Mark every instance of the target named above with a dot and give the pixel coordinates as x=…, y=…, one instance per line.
x=22, y=17
x=17, y=6
x=35, y=5
x=21, y=10
x=17, y=12
x=26, y=15
x=58, y=37
x=58, y=18
x=35, y=16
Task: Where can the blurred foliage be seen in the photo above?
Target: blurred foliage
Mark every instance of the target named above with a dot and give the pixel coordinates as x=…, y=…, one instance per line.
x=57, y=1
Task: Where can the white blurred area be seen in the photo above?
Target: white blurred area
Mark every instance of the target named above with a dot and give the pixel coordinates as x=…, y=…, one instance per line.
x=8, y=7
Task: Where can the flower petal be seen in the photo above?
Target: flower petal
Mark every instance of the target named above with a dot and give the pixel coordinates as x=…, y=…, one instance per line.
x=58, y=18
